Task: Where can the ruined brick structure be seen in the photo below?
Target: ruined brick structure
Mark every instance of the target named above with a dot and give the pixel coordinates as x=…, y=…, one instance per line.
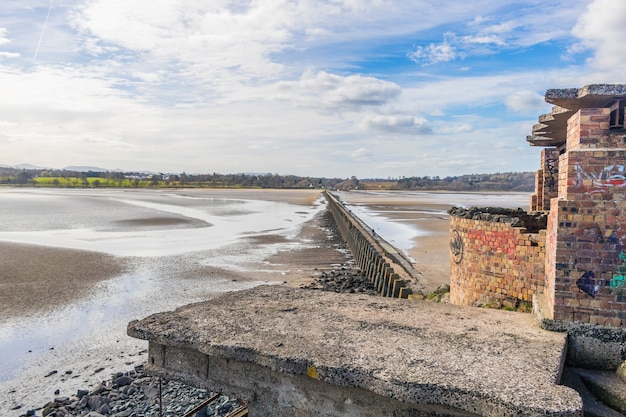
x=498, y=256
x=581, y=186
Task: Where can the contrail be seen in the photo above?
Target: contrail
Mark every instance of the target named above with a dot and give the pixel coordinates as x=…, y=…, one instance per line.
x=43, y=30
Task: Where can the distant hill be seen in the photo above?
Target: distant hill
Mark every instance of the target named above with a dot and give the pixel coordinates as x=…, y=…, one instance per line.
x=81, y=168
x=26, y=166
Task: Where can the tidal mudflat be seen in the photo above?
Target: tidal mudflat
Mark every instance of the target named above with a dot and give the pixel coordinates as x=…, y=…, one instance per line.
x=78, y=265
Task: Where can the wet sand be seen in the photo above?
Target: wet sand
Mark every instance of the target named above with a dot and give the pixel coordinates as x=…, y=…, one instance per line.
x=38, y=277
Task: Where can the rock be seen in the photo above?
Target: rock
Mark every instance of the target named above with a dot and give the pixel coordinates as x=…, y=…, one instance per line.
x=82, y=403
x=104, y=409
x=123, y=381
x=126, y=398
x=94, y=402
x=344, y=280
x=99, y=389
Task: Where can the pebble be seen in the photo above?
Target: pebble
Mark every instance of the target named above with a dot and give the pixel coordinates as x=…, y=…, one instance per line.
x=135, y=394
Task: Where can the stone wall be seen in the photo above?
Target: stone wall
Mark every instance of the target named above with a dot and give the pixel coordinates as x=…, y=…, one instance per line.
x=497, y=256
x=379, y=262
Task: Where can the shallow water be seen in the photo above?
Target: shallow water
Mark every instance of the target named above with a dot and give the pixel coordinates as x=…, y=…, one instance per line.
x=373, y=208
x=108, y=221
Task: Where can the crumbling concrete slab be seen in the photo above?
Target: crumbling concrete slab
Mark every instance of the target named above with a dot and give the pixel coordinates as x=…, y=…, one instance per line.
x=292, y=352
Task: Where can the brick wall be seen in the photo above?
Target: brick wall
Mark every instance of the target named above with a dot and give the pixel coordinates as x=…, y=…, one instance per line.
x=546, y=180
x=586, y=248
x=494, y=261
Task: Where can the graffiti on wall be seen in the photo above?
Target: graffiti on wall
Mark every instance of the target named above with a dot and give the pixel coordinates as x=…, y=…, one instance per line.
x=456, y=246
x=609, y=177
x=619, y=276
x=503, y=241
x=614, y=243
x=587, y=283
x=552, y=173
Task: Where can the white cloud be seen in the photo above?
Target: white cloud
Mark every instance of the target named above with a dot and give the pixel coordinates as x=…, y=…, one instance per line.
x=397, y=165
x=4, y=123
x=484, y=40
x=361, y=153
x=401, y=124
x=455, y=128
x=602, y=28
x=9, y=55
x=454, y=47
x=434, y=53
x=330, y=91
x=3, y=39
x=526, y=102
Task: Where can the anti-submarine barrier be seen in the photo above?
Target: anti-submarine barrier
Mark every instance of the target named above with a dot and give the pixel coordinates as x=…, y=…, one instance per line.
x=382, y=264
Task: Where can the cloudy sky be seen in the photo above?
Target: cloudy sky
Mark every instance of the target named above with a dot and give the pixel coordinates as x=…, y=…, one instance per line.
x=334, y=88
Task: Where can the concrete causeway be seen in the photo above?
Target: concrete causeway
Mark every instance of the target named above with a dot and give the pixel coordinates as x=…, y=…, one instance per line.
x=294, y=352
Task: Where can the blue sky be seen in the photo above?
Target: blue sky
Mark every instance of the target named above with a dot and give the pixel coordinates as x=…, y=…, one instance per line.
x=335, y=88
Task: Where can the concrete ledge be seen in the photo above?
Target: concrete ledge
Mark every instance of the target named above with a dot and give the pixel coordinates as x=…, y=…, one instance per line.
x=290, y=352
x=589, y=345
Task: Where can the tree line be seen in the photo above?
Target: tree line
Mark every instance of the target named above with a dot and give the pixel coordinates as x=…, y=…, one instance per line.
x=509, y=181
x=505, y=181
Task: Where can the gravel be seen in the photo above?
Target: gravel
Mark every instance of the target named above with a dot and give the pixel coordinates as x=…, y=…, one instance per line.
x=135, y=394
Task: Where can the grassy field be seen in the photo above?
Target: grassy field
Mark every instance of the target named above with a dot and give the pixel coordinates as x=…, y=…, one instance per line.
x=93, y=182
x=99, y=182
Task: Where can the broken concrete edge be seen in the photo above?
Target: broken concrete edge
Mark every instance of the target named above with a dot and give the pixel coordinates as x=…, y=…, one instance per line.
x=420, y=395
x=278, y=391
x=588, y=345
x=174, y=332
x=588, y=90
x=533, y=221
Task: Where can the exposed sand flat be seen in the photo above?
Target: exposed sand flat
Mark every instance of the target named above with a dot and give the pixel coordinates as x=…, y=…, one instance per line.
x=38, y=277
x=427, y=211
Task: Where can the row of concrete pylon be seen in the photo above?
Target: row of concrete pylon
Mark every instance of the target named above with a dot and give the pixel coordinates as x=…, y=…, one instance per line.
x=368, y=254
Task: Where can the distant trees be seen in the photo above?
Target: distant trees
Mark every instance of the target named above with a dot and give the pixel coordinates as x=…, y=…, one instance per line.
x=23, y=176
x=507, y=181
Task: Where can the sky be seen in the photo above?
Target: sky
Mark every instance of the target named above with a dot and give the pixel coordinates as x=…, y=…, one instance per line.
x=324, y=88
